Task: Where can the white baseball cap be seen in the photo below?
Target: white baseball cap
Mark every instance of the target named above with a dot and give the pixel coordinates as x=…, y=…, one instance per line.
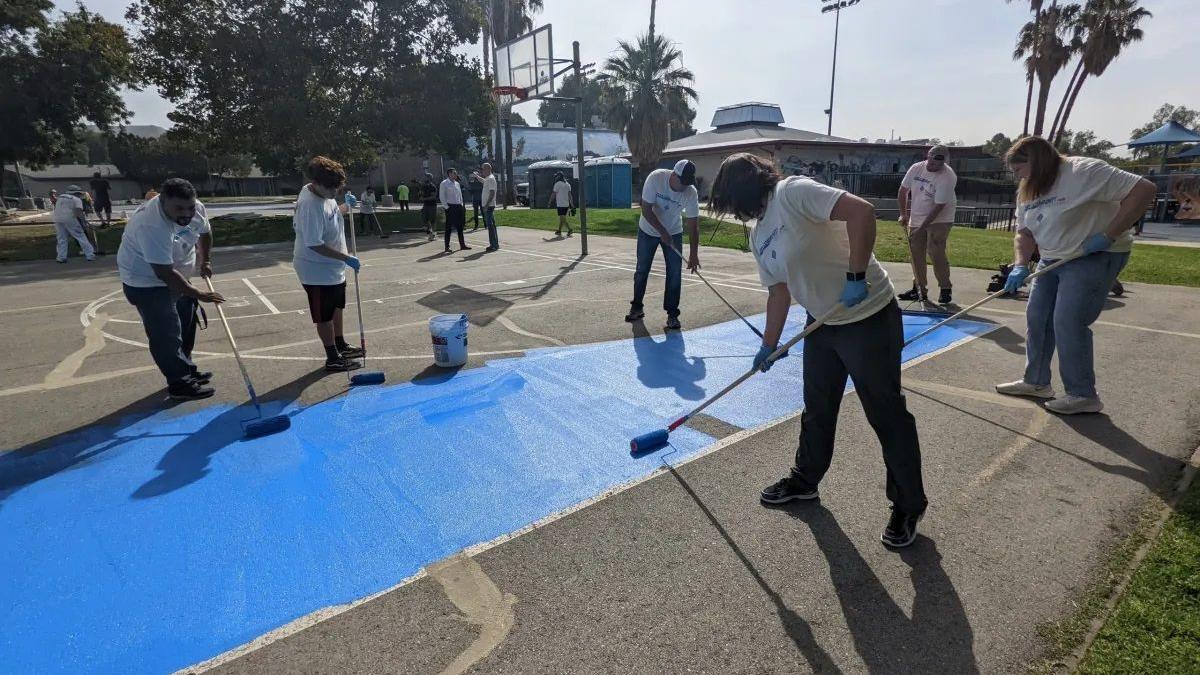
x=686, y=171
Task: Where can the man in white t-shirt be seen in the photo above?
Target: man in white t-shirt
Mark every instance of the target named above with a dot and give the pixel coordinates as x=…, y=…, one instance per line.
x=668, y=197
x=927, y=206
x=487, y=199
x=68, y=215
x=561, y=198
x=160, y=248
x=320, y=257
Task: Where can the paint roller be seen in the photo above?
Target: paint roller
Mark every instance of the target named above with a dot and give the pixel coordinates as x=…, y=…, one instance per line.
x=655, y=439
x=263, y=426
x=993, y=296
x=714, y=290
x=364, y=377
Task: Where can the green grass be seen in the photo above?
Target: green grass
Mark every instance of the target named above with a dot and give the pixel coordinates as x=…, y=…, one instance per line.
x=1155, y=628
x=982, y=249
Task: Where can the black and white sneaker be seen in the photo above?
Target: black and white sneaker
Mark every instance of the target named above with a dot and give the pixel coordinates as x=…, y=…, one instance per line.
x=341, y=365
x=635, y=315
x=189, y=390
x=672, y=323
x=349, y=352
x=944, y=296
x=786, y=490
x=901, y=529
x=201, y=376
x=913, y=294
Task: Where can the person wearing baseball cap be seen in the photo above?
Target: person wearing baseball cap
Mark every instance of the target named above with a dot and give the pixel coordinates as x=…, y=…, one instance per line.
x=668, y=198
x=927, y=206
x=68, y=214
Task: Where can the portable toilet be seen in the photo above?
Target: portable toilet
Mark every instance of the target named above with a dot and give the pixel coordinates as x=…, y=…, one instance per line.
x=609, y=183
x=541, y=182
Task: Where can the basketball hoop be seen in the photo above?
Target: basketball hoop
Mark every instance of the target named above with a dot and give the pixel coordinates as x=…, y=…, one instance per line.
x=507, y=97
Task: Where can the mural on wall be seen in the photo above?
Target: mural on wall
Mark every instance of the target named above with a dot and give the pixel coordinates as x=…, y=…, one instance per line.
x=823, y=164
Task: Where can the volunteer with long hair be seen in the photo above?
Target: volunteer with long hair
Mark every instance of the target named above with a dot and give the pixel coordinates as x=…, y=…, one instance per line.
x=1068, y=206
x=813, y=243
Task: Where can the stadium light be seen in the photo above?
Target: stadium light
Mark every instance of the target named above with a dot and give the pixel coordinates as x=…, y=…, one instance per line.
x=835, y=6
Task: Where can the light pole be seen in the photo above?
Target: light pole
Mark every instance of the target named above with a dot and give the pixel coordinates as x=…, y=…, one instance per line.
x=836, y=7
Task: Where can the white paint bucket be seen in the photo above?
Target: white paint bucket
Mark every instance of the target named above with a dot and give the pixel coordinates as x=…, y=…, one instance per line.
x=449, y=333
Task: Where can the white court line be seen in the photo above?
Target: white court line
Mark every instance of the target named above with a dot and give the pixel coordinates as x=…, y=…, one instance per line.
x=326, y=613
x=37, y=307
x=254, y=289
x=1114, y=324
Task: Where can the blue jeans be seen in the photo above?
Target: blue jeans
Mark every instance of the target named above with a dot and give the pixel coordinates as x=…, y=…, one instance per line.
x=161, y=320
x=489, y=221
x=1063, y=304
x=646, y=247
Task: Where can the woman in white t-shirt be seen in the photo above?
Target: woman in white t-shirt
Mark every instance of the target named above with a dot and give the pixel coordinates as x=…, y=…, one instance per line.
x=561, y=198
x=1068, y=207
x=813, y=244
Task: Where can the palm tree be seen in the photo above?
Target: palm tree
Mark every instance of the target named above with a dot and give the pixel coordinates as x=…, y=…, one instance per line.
x=1035, y=6
x=645, y=90
x=1043, y=45
x=1109, y=27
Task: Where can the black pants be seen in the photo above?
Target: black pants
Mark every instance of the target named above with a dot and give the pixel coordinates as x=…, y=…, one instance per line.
x=869, y=352
x=456, y=218
x=403, y=204
x=476, y=208
x=162, y=318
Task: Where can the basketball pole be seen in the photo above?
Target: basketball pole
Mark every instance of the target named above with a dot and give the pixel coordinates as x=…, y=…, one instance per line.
x=579, y=158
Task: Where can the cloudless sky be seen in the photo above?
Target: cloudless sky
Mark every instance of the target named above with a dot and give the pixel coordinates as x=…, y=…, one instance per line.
x=922, y=68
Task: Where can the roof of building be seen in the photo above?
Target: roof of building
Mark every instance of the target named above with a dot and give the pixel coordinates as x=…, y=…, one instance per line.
x=751, y=112
x=747, y=135
x=69, y=171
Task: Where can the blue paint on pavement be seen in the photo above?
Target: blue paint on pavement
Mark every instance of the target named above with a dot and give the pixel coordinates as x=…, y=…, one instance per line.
x=166, y=539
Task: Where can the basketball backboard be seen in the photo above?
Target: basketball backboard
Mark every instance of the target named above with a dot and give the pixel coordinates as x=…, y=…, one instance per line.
x=527, y=62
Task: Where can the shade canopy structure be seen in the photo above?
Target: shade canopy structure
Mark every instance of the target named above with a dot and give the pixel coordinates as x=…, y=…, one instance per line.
x=1189, y=154
x=1167, y=135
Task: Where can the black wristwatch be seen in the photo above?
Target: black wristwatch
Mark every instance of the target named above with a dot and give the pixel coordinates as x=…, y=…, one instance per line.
x=855, y=276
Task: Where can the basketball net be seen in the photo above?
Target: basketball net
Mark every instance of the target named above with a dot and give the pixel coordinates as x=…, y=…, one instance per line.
x=507, y=97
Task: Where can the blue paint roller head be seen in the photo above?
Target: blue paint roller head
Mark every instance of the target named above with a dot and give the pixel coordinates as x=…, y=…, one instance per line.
x=648, y=442
x=266, y=426
x=367, y=378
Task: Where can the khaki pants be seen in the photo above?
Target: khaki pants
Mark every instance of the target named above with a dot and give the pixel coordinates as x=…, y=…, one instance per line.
x=930, y=239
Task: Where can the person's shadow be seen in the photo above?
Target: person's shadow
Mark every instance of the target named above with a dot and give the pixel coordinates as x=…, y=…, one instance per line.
x=664, y=363
x=188, y=460
x=937, y=638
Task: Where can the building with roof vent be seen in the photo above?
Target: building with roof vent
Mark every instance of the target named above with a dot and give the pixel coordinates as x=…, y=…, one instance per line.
x=758, y=128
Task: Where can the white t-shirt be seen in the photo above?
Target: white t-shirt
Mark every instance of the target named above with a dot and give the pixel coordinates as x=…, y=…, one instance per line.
x=1083, y=200
x=796, y=243
x=367, y=203
x=450, y=192
x=150, y=238
x=668, y=204
x=562, y=194
x=64, y=209
x=489, y=190
x=927, y=190
x=318, y=221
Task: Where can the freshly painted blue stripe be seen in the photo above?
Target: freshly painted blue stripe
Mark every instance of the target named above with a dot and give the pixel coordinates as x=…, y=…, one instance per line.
x=164, y=540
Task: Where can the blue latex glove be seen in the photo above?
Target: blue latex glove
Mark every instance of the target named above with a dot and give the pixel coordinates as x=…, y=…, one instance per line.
x=853, y=293
x=351, y=200
x=1096, y=243
x=1016, y=278
x=760, y=359
x=353, y=263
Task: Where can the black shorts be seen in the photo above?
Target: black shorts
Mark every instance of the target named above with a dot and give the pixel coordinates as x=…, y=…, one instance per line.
x=429, y=213
x=323, y=301
x=562, y=210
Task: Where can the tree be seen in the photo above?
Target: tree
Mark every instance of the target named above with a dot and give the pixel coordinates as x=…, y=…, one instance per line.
x=55, y=77
x=1165, y=113
x=151, y=161
x=1045, y=47
x=1105, y=28
x=645, y=90
x=284, y=80
x=516, y=119
x=998, y=145
x=1035, y=6
x=563, y=112
x=1084, y=144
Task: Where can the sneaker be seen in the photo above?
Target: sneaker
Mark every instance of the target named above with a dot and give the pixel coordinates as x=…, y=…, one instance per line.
x=1118, y=289
x=61, y=262
x=349, y=352
x=570, y=231
x=464, y=248
x=492, y=249
x=189, y=390
x=1023, y=388
x=914, y=294
x=901, y=529
x=447, y=249
x=91, y=259
x=1074, y=405
x=341, y=365
x=635, y=315
x=672, y=323
x=201, y=376
x=786, y=490
x=944, y=296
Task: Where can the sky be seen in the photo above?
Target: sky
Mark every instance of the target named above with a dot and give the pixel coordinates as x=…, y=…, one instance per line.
x=933, y=68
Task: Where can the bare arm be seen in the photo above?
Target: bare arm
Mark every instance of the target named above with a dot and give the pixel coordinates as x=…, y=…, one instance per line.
x=859, y=215
x=648, y=214
x=937, y=210
x=1023, y=246
x=328, y=252
x=179, y=285
x=204, y=254
x=1132, y=207
x=903, y=201
x=779, y=300
x=693, y=228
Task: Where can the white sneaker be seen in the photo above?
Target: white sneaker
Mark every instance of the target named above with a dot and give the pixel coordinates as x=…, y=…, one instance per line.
x=1023, y=388
x=1074, y=405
